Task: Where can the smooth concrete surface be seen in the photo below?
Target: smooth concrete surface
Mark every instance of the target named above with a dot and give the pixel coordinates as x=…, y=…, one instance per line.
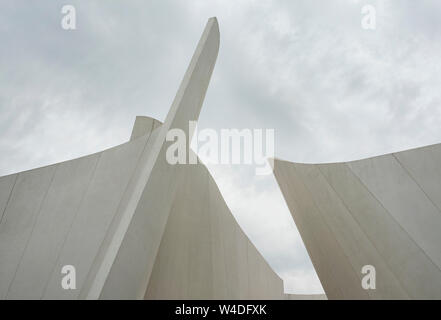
x=382, y=211
x=143, y=125
x=204, y=254
x=58, y=215
x=132, y=225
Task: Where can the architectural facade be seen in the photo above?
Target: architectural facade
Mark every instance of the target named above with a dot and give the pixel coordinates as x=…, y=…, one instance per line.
x=132, y=225
x=382, y=213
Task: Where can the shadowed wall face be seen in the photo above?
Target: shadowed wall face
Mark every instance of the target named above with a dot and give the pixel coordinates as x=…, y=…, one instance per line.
x=382, y=211
x=204, y=254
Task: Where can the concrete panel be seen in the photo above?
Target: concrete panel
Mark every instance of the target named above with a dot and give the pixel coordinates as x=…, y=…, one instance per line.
x=423, y=166
x=356, y=246
x=275, y=283
x=228, y=226
x=256, y=282
x=98, y=207
x=204, y=254
x=199, y=274
x=242, y=264
x=109, y=246
x=396, y=247
x=19, y=219
x=354, y=243
x=390, y=183
x=143, y=125
x=183, y=265
x=6, y=185
x=333, y=268
x=51, y=228
x=220, y=277
x=381, y=211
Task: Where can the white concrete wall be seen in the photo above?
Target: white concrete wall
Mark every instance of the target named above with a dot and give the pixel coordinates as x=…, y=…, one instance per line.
x=204, y=254
x=68, y=212
x=382, y=211
x=59, y=215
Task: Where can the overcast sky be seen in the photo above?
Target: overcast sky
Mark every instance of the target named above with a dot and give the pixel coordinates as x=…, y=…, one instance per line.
x=331, y=90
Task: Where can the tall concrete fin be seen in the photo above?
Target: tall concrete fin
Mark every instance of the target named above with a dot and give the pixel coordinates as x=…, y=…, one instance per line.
x=144, y=210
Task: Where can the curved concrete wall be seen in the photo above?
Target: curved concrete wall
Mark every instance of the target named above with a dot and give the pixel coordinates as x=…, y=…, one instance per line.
x=131, y=224
x=59, y=215
x=204, y=254
x=382, y=211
